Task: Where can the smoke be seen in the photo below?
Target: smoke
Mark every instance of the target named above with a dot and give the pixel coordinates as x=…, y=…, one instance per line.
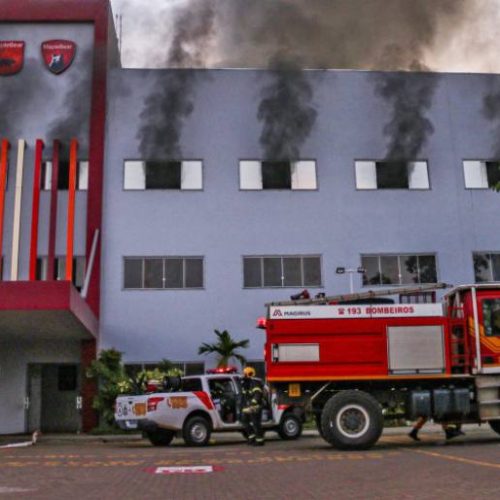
x=321, y=33
x=171, y=101
x=286, y=111
x=20, y=96
x=491, y=111
x=410, y=97
x=333, y=33
x=74, y=117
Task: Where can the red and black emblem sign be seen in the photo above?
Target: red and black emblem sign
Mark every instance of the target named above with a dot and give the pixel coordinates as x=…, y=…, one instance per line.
x=58, y=54
x=11, y=57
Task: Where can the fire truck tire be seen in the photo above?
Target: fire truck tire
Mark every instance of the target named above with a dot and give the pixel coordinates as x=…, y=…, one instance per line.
x=290, y=427
x=160, y=437
x=352, y=420
x=197, y=431
x=495, y=425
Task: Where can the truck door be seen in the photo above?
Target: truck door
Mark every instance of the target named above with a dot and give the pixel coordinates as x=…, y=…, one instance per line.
x=224, y=396
x=489, y=330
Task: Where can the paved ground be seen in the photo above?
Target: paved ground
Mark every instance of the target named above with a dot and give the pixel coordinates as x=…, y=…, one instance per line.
x=65, y=467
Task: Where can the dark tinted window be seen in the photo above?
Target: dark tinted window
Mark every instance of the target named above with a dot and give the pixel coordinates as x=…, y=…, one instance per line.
x=163, y=272
x=276, y=175
x=398, y=269
x=493, y=173
x=392, y=175
x=278, y=271
x=153, y=273
x=133, y=273
x=191, y=385
x=163, y=174
x=67, y=377
x=252, y=272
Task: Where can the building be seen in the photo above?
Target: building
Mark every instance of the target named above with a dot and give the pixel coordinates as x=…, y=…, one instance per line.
x=182, y=216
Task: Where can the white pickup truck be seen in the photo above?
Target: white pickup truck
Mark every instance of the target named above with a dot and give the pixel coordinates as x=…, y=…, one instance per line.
x=196, y=406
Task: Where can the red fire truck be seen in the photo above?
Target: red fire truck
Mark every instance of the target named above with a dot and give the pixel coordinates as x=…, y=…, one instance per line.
x=354, y=360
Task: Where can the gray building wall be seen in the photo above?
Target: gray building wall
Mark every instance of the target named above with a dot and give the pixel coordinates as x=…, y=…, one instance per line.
x=340, y=223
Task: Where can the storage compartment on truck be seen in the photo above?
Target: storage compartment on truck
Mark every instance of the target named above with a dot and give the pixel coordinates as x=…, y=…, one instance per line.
x=415, y=349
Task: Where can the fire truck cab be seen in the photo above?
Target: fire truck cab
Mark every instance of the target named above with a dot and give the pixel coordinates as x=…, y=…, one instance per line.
x=354, y=362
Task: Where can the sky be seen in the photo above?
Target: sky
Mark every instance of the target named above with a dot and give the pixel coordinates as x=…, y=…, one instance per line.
x=435, y=35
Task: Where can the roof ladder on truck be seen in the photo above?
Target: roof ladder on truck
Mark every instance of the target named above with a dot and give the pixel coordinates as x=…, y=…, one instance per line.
x=370, y=294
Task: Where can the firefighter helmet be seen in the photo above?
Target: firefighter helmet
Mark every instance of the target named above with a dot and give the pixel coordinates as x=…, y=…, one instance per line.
x=248, y=371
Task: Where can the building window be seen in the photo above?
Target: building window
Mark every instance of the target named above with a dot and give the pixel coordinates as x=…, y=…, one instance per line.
x=82, y=175
x=60, y=269
x=295, y=175
x=67, y=377
x=282, y=271
x=163, y=272
x=391, y=175
x=158, y=174
x=399, y=269
x=491, y=317
x=481, y=174
x=486, y=266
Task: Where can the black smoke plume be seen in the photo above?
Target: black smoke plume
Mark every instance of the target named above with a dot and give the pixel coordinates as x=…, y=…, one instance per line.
x=491, y=111
x=410, y=97
x=171, y=101
x=73, y=118
x=286, y=111
x=20, y=97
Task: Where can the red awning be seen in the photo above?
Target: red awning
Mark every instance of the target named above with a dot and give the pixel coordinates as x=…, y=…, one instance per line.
x=44, y=310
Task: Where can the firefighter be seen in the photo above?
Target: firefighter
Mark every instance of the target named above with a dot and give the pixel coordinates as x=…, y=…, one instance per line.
x=253, y=398
x=450, y=431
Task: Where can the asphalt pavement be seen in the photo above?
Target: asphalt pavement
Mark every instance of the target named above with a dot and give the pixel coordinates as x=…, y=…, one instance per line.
x=128, y=467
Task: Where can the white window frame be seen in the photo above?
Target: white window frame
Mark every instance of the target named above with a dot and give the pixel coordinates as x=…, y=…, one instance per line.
x=475, y=174
x=44, y=265
x=282, y=257
x=191, y=176
x=303, y=174
x=163, y=258
x=399, y=257
x=82, y=176
x=366, y=175
x=490, y=265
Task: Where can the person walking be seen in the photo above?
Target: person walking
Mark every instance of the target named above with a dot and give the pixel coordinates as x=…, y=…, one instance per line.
x=450, y=431
x=253, y=398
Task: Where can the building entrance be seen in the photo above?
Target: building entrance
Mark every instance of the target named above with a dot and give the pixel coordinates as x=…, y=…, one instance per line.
x=53, y=397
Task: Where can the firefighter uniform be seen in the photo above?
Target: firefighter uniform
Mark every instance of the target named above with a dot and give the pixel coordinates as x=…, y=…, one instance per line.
x=253, y=398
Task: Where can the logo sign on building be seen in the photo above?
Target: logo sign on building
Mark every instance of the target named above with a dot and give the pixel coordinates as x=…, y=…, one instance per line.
x=58, y=54
x=11, y=57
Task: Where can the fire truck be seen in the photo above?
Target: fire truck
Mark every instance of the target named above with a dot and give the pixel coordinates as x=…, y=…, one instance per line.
x=356, y=360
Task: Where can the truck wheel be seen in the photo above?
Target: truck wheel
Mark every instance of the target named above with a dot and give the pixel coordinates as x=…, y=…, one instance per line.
x=196, y=431
x=290, y=427
x=495, y=425
x=352, y=420
x=160, y=437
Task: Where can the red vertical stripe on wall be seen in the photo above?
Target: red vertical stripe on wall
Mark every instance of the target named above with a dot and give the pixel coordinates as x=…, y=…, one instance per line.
x=3, y=184
x=51, y=253
x=73, y=151
x=35, y=208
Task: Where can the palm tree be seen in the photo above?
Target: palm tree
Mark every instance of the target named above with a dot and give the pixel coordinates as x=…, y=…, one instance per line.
x=225, y=348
